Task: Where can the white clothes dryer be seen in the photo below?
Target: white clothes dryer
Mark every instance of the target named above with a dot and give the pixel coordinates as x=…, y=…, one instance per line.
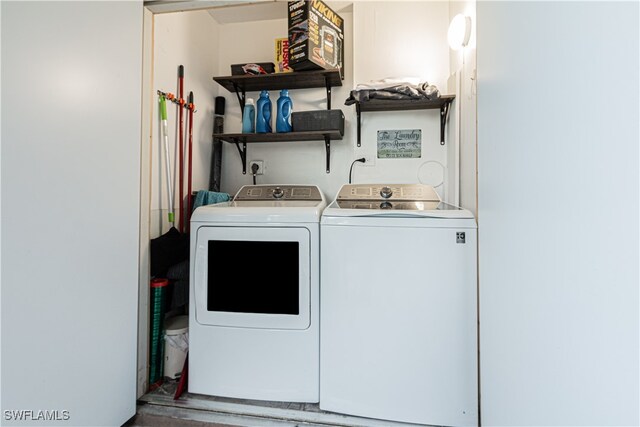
x=398, y=306
x=254, y=306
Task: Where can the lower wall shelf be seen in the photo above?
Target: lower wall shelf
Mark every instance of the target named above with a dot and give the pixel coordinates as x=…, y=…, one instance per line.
x=260, y=138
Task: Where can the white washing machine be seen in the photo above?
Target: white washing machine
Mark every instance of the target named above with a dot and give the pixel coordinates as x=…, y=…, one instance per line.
x=254, y=306
x=398, y=306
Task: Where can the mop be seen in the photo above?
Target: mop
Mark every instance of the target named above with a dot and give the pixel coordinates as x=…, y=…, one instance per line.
x=163, y=115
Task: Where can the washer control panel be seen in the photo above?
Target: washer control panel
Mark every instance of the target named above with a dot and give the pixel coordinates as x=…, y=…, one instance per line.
x=279, y=192
x=397, y=192
x=387, y=205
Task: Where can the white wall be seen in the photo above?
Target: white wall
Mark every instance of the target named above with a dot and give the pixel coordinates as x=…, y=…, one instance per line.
x=149, y=98
x=463, y=61
x=70, y=208
x=189, y=39
x=371, y=52
x=558, y=212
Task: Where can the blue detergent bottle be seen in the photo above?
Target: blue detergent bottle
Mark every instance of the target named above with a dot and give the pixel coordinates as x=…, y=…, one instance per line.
x=249, y=117
x=284, y=112
x=263, y=113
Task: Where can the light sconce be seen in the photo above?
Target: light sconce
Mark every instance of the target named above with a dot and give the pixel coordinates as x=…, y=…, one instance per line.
x=459, y=32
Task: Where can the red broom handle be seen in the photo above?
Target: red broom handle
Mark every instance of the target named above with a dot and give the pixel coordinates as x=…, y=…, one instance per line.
x=181, y=145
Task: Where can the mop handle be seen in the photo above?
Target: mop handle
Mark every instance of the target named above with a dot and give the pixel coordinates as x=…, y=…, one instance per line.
x=190, y=157
x=163, y=116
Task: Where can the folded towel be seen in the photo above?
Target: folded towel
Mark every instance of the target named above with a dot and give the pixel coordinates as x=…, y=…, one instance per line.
x=389, y=82
x=392, y=91
x=205, y=197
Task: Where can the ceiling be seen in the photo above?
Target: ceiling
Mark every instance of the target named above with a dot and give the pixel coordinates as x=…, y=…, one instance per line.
x=228, y=12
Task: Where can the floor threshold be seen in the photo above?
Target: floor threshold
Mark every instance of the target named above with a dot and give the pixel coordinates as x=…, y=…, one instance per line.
x=219, y=411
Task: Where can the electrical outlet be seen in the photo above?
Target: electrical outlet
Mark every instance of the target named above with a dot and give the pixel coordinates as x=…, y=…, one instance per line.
x=260, y=164
x=369, y=160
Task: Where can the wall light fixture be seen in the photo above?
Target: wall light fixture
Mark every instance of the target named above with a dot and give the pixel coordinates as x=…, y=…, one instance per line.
x=459, y=31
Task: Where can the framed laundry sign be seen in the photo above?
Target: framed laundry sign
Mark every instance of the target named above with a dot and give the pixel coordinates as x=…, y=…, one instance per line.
x=400, y=144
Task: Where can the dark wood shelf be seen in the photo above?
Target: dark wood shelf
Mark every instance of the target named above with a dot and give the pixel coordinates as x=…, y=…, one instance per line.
x=240, y=85
x=399, y=105
x=278, y=137
x=443, y=103
x=261, y=138
x=278, y=81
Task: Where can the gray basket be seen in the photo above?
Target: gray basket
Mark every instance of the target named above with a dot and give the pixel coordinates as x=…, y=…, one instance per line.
x=318, y=120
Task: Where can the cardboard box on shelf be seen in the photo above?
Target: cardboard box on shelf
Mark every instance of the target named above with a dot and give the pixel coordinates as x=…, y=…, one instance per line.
x=282, y=56
x=316, y=36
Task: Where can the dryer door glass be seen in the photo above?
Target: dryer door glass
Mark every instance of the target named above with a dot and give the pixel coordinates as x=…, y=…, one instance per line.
x=253, y=277
x=268, y=279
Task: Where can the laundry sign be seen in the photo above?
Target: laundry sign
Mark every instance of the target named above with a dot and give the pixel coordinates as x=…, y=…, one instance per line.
x=400, y=144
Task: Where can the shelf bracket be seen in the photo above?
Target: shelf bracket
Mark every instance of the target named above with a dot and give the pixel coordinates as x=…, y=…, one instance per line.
x=358, y=113
x=444, y=113
x=241, y=97
x=327, y=146
x=243, y=154
x=327, y=84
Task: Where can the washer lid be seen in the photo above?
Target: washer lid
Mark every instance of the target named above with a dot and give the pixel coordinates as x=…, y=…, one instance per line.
x=392, y=200
x=381, y=209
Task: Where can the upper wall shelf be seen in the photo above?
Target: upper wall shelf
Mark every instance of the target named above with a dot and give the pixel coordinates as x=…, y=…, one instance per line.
x=443, y=103
x=293, y=80
x=278, y=137
x=277, y=81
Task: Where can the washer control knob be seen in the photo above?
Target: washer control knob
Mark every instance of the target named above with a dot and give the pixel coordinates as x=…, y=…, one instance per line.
x=278, y=193
x=386, y=192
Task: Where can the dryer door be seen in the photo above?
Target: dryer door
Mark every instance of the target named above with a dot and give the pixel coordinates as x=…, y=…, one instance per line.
x=253, y=277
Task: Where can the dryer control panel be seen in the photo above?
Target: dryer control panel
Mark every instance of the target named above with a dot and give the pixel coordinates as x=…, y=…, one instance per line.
x=278, y=192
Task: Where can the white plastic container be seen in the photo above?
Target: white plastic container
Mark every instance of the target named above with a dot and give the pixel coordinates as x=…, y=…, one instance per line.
x=176, y=345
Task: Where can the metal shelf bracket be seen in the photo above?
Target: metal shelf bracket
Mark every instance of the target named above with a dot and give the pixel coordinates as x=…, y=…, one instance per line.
x=241, y=97
x=327, y=84
x=243, y=154
x=444, y=113
x=358, y=112
x=327, y=145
